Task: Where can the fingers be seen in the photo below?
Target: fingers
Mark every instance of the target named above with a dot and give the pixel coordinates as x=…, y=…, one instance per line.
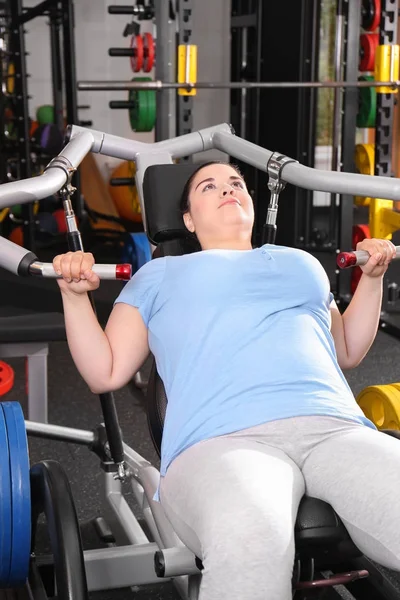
x=74, y=266
x=383, y=251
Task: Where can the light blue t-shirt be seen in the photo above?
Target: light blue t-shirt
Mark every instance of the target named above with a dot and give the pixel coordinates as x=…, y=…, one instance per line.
x=240, y=338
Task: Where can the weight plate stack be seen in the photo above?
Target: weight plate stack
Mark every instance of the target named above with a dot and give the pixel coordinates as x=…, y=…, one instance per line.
x=149, y=52
x=360, y=233
x=365, y=164
x=370, y=14
x=381, y=405
x=368, y=45
x=15, y=497
x=142, y=114
x=138, y=53
x=5, y=505
x=366, y=104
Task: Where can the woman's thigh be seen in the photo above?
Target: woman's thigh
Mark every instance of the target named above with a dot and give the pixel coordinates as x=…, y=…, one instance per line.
x=358, y=473
x=232, y=489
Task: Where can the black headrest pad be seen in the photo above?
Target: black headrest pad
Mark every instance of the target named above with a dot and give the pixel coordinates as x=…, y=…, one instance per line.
x=162, y=190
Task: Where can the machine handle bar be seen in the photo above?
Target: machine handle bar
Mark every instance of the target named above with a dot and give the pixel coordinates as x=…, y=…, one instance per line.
x=122, y=272
x=356, y=258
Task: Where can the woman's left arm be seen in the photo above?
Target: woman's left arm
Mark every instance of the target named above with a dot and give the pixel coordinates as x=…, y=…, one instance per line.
x=355, y=330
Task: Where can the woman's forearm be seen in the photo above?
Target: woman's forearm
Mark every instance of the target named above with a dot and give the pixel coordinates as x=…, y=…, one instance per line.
x=361, y=318
x=88, y=344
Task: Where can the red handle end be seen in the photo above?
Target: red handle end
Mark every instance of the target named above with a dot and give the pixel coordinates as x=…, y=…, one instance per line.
x=346, y=259
x=123, y=272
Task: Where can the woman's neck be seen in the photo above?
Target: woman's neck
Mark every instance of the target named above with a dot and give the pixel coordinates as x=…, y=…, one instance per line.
x=228, y=245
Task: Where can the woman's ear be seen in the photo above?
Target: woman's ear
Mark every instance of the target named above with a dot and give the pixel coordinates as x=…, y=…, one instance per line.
x=187, y=219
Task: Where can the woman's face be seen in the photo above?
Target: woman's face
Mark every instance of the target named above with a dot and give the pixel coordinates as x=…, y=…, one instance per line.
x=220, y=207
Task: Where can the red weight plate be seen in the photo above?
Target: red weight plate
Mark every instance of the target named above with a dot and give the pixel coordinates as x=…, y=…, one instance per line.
x=149, y=52
x=6, y=378
x=360, y=233
x=368, y=45
x=377, y=16
x=138, y=56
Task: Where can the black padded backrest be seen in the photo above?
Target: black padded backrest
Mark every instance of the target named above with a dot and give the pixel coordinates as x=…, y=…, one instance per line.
x=162, y=190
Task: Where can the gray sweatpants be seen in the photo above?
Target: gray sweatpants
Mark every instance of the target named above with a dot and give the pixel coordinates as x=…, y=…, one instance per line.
x=233, y=500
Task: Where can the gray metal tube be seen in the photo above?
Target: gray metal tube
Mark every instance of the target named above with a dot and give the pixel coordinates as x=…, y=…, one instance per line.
x=125, y=149
x=77, y=148
x=52, y=180
x=192, y=143
x=309, y=178
x=57, y=432
x=103, y=86
x=29, y=190
x=11, y=255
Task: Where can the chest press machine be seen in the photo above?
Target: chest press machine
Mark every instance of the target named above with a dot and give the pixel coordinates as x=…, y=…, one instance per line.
x=135, y=556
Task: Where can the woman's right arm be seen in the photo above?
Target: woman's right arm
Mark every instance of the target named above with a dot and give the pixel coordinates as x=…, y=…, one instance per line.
x=108, y=359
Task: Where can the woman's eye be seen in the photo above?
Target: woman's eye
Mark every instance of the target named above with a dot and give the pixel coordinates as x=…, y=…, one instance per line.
x=238, y=184
x=209, y=186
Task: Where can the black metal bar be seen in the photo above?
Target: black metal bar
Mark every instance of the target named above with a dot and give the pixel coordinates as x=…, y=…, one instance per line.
x=337, y=112
x=306, y=121
x=68, y=26
x=111, y=423
x=255, y=104
x=56, y=67
x=185, y=103
x=4, y=26
x=121, y=52
x=22, y=115
x=385, y=103
x=349, y=123
x=40, y=10
x=121, y=104
x=123, y=10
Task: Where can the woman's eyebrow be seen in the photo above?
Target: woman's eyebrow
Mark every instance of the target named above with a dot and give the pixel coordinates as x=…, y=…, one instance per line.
x=204, y=180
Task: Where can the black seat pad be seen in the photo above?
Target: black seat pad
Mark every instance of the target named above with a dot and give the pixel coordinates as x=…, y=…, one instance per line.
x=317, y=524
x=21, y=326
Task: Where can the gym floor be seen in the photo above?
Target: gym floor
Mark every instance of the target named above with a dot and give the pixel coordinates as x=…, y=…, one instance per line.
x=72, y=404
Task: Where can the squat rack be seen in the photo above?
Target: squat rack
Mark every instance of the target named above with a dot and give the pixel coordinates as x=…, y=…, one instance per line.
x=63, y=71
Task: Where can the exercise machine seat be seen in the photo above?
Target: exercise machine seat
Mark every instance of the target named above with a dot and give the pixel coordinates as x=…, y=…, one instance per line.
x=18, y=326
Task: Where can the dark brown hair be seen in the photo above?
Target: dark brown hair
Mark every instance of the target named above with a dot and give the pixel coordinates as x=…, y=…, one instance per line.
x=184, y=202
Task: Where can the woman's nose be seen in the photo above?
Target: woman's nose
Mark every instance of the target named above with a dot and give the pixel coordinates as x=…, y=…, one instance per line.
x=227, y=189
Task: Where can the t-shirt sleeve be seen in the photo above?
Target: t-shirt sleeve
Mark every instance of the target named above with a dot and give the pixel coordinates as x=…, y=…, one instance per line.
x=141, y=291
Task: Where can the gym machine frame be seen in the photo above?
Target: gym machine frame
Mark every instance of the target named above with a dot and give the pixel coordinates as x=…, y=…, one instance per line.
x=132, y=561
x=61, y=18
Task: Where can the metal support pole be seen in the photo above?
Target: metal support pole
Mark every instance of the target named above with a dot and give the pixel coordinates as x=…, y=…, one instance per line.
x=385, y=103
x=68, y=25
x=56, y=68
x=185, y=103
x=22, y=114
x=165, y=70
x=337, y=115
x=349, y=123
x=303, y=206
